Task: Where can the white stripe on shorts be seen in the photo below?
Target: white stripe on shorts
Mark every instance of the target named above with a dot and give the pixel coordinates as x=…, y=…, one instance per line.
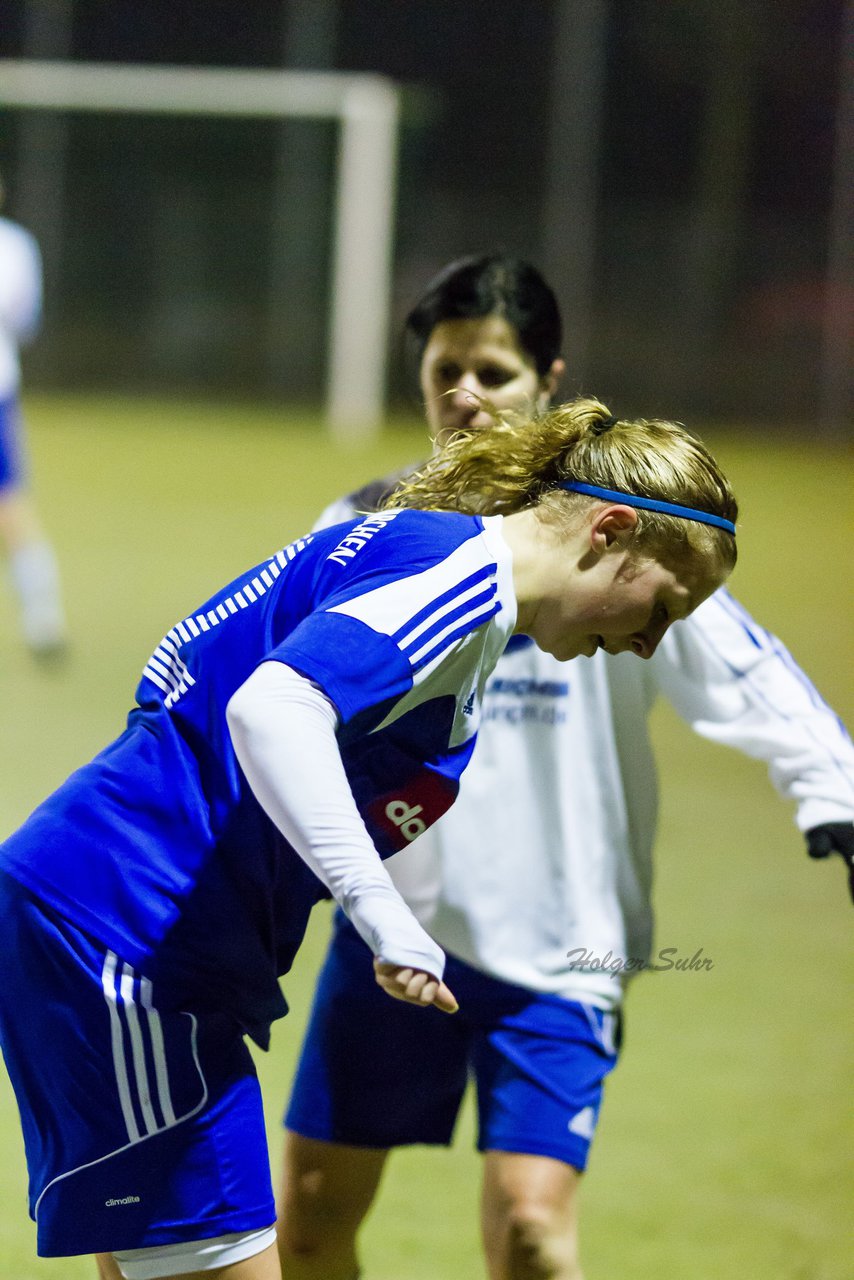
x=156, y=1030
x=140, y=1071
x=108, y=983
x=149, y=1024
x=142, y=1022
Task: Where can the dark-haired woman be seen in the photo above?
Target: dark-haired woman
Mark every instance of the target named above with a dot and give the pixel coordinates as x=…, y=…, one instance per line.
x=537, y=883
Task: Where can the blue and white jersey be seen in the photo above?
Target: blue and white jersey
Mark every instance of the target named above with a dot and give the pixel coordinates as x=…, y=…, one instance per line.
x=158, y=846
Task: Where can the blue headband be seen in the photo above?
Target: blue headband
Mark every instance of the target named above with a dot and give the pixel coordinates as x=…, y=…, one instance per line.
x=649, y=504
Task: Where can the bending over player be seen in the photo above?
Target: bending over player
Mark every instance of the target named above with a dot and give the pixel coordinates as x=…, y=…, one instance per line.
x=283, y=732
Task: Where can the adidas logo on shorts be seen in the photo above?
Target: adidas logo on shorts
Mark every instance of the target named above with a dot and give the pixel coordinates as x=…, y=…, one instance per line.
x=583, y=1123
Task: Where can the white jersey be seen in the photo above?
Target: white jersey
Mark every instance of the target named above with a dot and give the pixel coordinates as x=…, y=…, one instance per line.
x=20, y=299
x=544, y=863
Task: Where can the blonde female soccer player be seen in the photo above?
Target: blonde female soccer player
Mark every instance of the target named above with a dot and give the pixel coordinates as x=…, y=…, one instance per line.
x=307, y=720
x=545, y=860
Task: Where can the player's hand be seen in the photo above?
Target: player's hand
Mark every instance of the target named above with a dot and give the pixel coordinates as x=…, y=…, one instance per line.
x=414, y=986
x=834, y=837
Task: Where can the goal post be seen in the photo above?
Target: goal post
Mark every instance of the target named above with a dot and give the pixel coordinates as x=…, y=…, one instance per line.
x=366, y=108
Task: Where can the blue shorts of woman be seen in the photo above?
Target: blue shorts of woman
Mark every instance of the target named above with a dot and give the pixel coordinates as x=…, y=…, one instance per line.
x=142, y=1123
x=12, y=453
x=380, y=1073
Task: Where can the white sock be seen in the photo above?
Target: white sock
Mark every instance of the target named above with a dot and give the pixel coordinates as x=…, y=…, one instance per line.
x=35, y=579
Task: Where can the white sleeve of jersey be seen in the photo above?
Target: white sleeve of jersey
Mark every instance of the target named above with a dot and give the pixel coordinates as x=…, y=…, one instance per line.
x=737, y=684
x=20, y=282
x=336, y=513
x=283, y=730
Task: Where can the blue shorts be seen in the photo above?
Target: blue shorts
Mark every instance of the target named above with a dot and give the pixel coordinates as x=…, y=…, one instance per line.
x=142, y=1124
x=375, y=1072
x=12, y=453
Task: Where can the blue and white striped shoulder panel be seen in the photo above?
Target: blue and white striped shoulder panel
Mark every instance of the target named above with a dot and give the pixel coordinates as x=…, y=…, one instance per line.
x=426, y=613
x=166, y=669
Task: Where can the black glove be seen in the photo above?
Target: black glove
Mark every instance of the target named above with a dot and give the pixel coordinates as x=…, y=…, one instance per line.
x=834, y=837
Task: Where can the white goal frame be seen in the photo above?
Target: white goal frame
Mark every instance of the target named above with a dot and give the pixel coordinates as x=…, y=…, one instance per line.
x=367, y=110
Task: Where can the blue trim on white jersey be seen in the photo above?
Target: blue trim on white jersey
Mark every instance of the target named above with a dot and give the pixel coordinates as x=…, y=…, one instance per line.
x=739, y=615
x=471, y=613
x=770, y=643
x=774, y=650
x=472, y=620
x=414, y=624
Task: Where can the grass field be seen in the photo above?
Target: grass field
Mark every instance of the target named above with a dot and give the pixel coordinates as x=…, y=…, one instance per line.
x=725, y=1144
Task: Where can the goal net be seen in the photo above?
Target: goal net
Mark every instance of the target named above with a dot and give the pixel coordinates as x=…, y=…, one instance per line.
x=147, y=223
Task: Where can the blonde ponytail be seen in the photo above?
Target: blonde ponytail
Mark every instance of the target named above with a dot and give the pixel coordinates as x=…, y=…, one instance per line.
x=520, y=462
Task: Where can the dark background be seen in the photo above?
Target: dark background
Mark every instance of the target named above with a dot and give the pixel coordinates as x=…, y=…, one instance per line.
x=670, y=164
